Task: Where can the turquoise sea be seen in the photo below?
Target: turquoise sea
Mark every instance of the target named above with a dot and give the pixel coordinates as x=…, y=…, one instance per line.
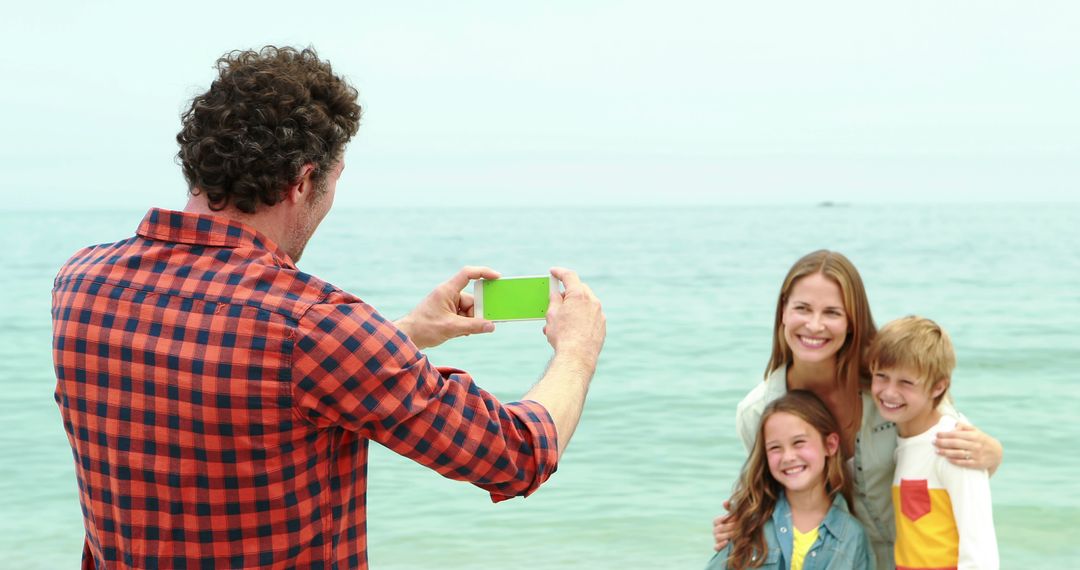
x=689, y=295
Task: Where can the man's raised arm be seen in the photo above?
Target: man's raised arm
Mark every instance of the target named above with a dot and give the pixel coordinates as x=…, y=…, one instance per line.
x=576, y=328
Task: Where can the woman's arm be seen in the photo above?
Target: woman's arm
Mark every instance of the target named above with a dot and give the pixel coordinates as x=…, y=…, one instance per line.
x=967, y=446
x=723, y=528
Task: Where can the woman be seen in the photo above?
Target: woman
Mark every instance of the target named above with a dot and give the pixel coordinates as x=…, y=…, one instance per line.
x=822, y=329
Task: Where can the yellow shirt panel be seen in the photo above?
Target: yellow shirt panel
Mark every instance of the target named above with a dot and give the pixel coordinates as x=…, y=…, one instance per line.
x=801, y=543
x=925, y=527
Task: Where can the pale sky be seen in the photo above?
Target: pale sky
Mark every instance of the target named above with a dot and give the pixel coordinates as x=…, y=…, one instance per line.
x=572, y=103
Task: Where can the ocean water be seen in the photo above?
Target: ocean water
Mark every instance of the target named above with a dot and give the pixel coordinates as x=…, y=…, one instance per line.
x=689, y=295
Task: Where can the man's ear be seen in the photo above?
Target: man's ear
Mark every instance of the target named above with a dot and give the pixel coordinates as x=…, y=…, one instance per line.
x=304, y=185
x=832, y=444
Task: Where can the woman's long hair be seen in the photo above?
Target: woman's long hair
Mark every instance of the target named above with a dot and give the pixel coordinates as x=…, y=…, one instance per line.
x=757, y=492
x=850, y=360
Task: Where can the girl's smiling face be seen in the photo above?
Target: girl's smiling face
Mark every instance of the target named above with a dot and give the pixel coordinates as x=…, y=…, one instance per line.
x=796, y=452
x=815, y=322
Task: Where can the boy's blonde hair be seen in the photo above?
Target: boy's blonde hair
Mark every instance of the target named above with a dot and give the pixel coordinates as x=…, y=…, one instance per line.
x=917, y=344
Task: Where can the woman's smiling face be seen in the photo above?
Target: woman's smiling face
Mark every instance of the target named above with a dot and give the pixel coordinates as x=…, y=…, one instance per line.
x=815, y=322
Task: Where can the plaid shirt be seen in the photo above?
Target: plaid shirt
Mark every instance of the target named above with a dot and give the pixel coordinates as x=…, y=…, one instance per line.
x=219, y=404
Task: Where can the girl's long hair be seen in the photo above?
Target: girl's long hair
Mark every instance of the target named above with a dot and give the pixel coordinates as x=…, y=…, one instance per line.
x=757, y=492
x=850, y=360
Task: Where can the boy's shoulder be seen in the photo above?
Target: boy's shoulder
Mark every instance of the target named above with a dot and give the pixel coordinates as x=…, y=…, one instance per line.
x=917, y=459
x=925, y=440
x=946, y=423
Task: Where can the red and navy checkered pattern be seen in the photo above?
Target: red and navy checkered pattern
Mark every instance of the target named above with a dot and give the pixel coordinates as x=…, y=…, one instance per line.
x=219, y=404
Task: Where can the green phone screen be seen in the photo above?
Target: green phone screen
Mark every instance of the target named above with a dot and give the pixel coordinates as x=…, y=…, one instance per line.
x=517, y=298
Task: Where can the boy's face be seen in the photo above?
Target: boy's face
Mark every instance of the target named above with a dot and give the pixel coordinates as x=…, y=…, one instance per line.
x=906, y=398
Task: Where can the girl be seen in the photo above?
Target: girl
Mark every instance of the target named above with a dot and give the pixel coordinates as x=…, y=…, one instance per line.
x=791, y=501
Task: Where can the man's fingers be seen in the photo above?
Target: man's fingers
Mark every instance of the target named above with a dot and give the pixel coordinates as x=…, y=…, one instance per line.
x=555, y=296
x=555, y=300
x=468, y=325
x=468, y=273
x=569, y=278
x=465, y=304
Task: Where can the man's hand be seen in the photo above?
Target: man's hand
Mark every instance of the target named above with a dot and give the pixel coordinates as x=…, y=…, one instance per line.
x=575, y=325
x=447, y=312
x=575, y=328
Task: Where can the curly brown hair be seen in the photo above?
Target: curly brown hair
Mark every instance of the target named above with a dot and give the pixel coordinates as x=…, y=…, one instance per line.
x=267, y=114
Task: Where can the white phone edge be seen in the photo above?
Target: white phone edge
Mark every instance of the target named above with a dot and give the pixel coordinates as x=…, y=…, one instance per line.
x=478, y=296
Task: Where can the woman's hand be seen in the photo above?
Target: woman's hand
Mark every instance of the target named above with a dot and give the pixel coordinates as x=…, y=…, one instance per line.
x=723, y=528
x=967, y=446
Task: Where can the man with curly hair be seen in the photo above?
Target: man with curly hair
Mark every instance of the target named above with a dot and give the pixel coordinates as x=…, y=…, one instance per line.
x=219, y=401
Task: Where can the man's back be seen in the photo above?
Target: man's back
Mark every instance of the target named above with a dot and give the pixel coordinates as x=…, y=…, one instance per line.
x=218, y=402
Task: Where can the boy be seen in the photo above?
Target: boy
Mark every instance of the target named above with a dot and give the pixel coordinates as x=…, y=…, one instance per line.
x=943, y=512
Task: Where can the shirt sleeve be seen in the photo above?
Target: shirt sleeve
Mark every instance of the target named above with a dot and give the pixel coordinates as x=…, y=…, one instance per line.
x=969, y=492
x=719, y=560
x=748, y=416
x=948, y=407
x=354, y=369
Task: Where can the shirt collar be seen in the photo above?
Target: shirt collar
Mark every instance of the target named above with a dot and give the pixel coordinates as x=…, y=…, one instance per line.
x=782, y=510
x=207, y=230
x=834, y=520
x=833, y=523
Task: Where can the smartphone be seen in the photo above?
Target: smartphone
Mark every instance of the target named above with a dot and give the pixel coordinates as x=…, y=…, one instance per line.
x=513, y=298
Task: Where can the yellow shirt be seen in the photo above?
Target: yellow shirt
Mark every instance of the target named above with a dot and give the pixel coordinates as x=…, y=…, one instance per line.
x=801, y=545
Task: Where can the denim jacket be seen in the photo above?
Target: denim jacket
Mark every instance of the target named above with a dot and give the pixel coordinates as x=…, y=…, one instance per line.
x=841, y=543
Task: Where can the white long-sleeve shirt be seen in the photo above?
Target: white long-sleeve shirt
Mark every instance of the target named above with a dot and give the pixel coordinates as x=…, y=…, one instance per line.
x=944, y=516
